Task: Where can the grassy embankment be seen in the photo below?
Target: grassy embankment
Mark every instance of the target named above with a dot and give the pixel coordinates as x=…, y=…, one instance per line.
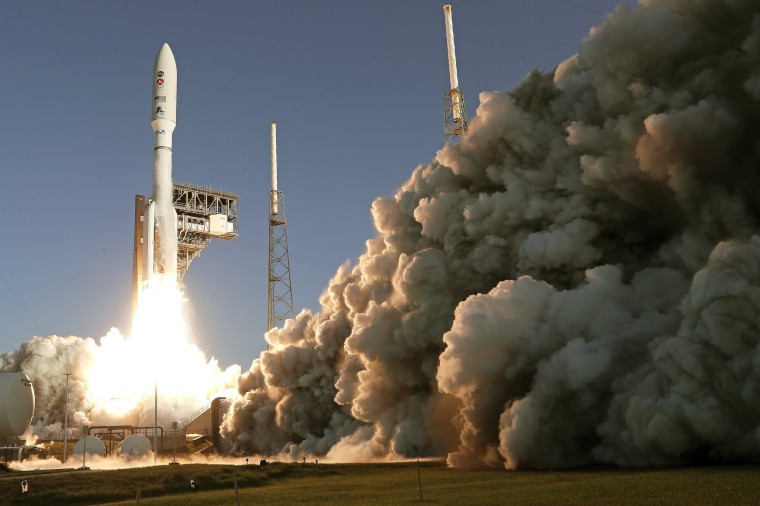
x=349, y=484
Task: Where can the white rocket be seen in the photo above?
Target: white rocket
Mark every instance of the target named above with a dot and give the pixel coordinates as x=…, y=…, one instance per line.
x=160, y=248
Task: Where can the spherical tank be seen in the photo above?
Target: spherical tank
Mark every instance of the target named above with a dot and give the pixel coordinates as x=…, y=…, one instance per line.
x=90, y=444
x=16, y=403
x=135, y=445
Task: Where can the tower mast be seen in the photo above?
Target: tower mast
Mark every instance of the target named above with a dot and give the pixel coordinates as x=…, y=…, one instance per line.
x=280, y=294
x=454, y=114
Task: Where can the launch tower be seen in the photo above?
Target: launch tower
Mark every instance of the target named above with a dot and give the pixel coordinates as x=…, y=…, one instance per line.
x=280, y=294
x=203, y=214
x=454, y=114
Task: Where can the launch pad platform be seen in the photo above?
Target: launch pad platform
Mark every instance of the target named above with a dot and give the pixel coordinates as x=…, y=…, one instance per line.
x=203, y=214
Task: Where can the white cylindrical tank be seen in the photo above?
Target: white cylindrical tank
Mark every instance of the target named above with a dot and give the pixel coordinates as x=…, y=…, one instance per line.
x=16, y=403
x=94, y=446
x=135, y=445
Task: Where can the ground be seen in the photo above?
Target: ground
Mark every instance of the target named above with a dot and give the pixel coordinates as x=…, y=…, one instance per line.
x=389, y=483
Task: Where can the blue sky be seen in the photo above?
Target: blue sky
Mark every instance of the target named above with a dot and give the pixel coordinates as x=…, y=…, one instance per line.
x=356, y=89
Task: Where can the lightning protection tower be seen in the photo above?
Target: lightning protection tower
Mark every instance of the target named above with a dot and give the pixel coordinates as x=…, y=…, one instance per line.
x=454, y=115
x=280, y=300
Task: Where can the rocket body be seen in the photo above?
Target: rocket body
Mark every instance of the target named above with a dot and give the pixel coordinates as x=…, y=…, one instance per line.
x=160, y=216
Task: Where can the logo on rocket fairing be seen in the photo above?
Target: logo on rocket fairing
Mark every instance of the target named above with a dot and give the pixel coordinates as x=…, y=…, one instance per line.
x=159, y=110
x=160, y=73
x=159, y=81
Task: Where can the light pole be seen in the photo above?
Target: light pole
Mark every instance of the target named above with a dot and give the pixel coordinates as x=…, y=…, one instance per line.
x=66, y=420
x=155, y=423
x=174, y=442
x=85, y=428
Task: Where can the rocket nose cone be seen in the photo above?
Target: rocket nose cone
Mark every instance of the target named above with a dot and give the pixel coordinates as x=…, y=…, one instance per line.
x=168, y=50
x=164, y=97
x=165, y=56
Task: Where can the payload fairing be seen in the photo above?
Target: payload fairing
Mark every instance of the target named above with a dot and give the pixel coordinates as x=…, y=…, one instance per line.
x=160, y=249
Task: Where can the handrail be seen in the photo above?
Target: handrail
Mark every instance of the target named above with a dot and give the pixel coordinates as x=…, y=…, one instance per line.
x=190, y=419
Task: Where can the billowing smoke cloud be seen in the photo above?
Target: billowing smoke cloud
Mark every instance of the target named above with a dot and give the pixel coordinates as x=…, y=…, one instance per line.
x=107, y=387
x=576, y=282
x=46, y=360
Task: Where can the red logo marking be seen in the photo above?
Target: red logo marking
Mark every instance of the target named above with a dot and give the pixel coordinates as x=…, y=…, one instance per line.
x=159, y=81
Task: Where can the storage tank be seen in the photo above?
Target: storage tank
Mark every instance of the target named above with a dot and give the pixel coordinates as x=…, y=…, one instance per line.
x=90, y=444
x=135, y=445
x=16, y=403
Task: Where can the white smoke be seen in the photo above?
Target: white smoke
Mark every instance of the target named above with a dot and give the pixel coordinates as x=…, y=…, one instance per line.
x=573, y=283
x=46, y=360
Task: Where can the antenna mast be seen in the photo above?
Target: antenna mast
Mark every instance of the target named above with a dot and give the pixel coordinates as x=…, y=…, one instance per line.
x=280, y=299
x=454, y=115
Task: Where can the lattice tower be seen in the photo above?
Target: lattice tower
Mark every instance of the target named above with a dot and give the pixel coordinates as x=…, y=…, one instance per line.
x=280, y=292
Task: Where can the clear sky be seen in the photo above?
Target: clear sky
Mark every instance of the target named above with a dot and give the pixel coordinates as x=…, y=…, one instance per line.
x=356, y=89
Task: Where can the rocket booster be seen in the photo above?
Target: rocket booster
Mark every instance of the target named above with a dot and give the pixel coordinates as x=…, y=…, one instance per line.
x=160, y=251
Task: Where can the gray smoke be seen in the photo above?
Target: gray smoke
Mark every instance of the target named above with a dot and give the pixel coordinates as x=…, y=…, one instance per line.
x=576, y=282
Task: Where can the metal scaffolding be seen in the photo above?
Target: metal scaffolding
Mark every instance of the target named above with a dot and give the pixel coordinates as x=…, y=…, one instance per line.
x=202, y=214
x=280, y=300
x=454, y=116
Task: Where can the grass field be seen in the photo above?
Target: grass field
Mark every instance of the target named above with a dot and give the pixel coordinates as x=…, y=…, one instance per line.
x=397, y=483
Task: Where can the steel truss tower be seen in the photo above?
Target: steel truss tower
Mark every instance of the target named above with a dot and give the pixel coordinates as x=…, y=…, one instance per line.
x=454, y=114
x=280, y=293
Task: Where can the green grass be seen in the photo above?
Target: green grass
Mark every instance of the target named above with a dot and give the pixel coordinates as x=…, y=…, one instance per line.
x=359, y=484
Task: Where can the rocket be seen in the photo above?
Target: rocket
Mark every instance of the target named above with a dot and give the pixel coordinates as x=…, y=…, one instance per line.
x=160, y=219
